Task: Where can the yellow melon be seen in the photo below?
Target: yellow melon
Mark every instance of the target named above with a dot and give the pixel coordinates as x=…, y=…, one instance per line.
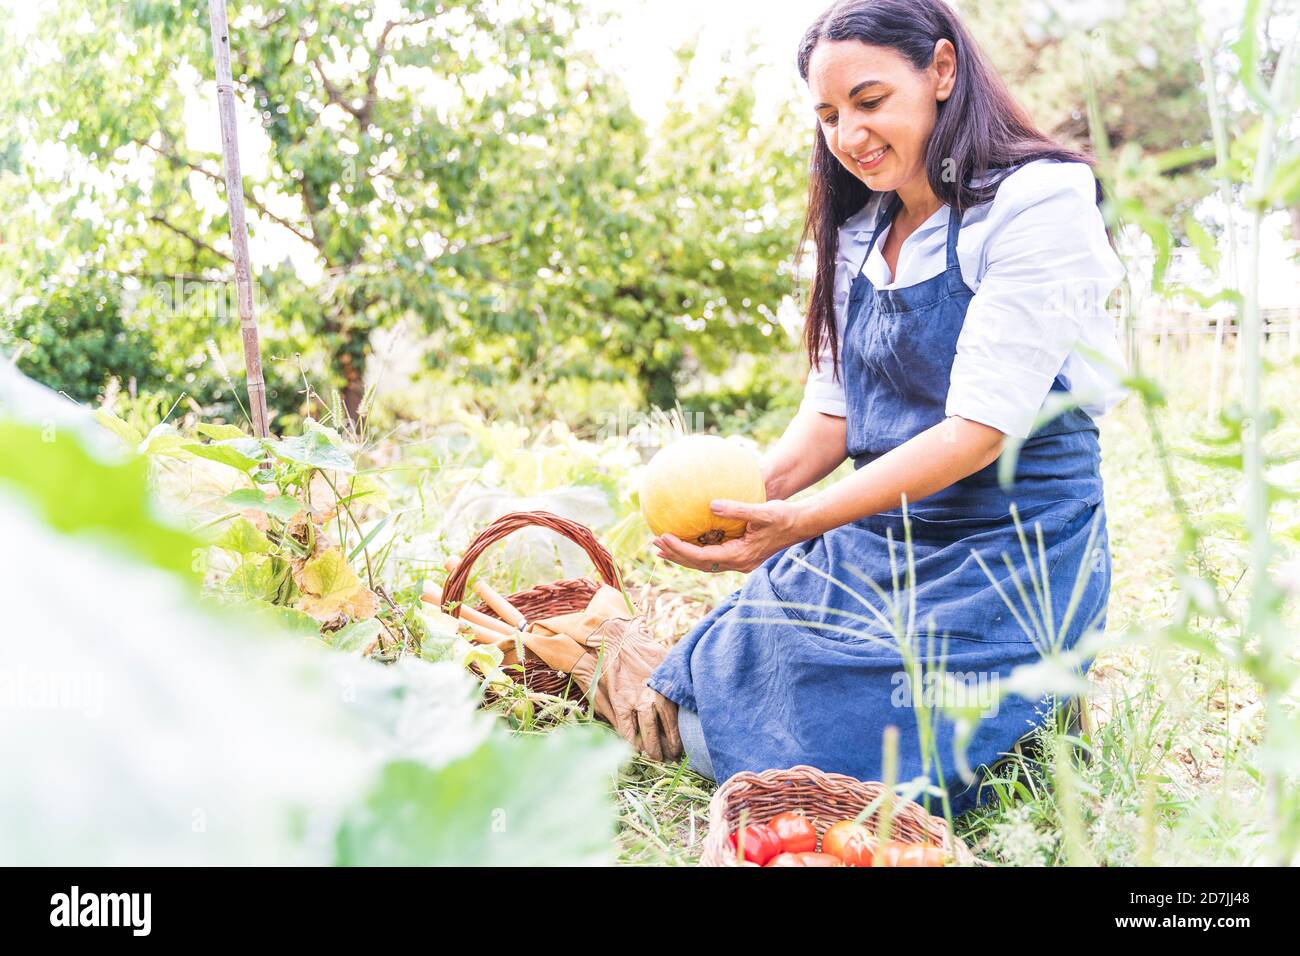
x=683, y=479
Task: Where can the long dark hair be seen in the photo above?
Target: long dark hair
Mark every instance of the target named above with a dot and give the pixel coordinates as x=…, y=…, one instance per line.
x=980, y=130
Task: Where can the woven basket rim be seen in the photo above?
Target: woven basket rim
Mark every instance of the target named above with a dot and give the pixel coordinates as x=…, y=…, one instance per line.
x=579, y=534
x=768, y=792
x=537, y=675
x=541, y=600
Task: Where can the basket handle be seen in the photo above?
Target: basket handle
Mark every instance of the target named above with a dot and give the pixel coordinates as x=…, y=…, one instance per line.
x=454, y=591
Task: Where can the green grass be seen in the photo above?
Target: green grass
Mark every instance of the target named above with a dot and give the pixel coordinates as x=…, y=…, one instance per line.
x=1173, y=769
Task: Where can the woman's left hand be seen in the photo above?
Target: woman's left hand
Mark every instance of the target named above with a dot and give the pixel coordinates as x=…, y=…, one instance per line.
x=770, y=527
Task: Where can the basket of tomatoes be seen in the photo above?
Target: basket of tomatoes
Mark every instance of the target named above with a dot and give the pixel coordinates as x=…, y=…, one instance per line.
x=807, y=817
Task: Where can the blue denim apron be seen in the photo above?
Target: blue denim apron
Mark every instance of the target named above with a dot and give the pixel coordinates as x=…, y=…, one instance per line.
x=805, y=664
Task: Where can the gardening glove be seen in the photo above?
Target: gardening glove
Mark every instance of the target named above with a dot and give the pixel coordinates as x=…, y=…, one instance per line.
x=610, y=648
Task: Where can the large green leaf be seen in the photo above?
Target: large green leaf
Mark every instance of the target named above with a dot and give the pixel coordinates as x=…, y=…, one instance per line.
x=356, y=636
x=220, y=432
x=283, y=507
x=74, y=492
x=255, y=579
x=498, y=806
x=318, y=446
x=242, y=537
x=163, y=439
x=290, y=620
x=242, y=454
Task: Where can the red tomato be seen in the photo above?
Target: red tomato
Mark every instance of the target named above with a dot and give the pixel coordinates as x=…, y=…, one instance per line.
x=851, y=842
x=760, y=844
x=786, y=859
x=796, y=832
x=820, y=859
x=898, y=854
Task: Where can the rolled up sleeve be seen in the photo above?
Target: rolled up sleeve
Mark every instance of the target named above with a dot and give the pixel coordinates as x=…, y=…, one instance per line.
x=1048, y=272
x=821, y=393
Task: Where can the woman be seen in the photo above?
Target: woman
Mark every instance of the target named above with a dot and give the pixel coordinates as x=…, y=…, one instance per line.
x=959, y=296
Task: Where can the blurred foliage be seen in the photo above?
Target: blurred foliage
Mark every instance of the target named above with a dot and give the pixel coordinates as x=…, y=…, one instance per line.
x=447, y=162
x=74, y=339
x=1147, y=65
x=326, y=757
x=62, y=482
x=470, y=172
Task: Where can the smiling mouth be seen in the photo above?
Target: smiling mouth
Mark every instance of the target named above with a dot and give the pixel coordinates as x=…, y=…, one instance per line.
x=871, y=158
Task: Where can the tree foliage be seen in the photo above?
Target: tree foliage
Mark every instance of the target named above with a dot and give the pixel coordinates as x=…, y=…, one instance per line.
x=75, y=339
x=460, y=165
x=1145, y=61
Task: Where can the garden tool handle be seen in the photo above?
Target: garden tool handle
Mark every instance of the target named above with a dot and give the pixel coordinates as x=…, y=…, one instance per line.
x=476, y=619
x=504, y=609
x=454, y=590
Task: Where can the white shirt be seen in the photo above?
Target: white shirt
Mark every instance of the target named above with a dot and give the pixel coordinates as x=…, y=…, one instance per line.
x=1041, y=268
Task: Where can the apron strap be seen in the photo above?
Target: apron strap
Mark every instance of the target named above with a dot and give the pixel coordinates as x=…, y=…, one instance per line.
x=886, y=215
x=954, y=227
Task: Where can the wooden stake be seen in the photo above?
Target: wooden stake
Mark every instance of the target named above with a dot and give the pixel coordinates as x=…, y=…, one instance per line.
x=238, y=225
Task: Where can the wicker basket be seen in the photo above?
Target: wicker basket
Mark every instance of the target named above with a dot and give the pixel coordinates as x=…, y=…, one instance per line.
x=825, y=798
x=545, y=600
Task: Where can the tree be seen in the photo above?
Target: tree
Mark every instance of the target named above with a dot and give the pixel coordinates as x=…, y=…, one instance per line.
x=454, y=162
x=74, y=339
x=1146, y=65
x=688, y=259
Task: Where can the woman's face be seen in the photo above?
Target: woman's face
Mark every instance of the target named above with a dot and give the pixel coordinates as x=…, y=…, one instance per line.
x=876, y=110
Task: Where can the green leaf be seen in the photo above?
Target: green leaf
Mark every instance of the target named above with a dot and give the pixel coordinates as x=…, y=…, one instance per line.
x=1226, y=522
x=482, y=660
x=437, y=647
x=318, y=446
x=220, y=432
x=1173, y=160
x=331, y=587
x=1247, y=49
x=1148, y=388
x=242, y=537
x=242, y=454
x=370, y=536
x=129, y=434
x=1284, y=186
x=306, y=450
x=440, y=638
x=163, y=439
x=1206, y=249
x=255, y=579
x=283, y=507
x=356, y=636
x=288, y=619
x=1225, y=460
x=515, y=801
x=76, y=493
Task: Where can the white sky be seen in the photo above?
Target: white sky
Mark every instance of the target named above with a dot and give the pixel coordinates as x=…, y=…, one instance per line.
x=643, y=40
